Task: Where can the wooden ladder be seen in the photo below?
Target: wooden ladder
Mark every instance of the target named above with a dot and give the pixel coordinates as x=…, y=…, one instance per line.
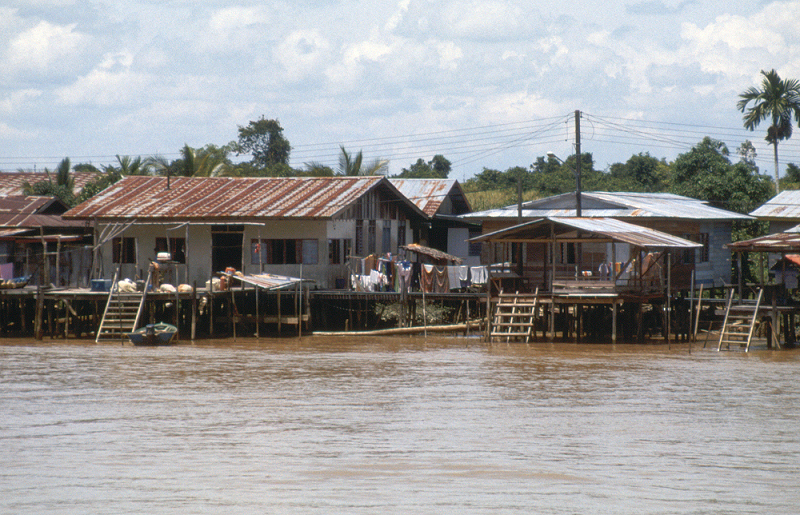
x=514, y=316
x=123, y=312
x=740, y=321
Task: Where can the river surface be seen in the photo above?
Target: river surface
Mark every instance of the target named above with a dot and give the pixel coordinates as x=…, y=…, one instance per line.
x=328, y=425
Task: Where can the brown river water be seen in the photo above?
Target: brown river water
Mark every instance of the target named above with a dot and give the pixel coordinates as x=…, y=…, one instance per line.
x=330, y=425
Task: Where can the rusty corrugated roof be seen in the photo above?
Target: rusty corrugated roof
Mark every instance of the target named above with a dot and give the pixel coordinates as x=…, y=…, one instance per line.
x=188, y=198
x=778, y=242
x=431, y=253
x=20, y=211
x=610, y=228
x=428, y=194
x=11, y=183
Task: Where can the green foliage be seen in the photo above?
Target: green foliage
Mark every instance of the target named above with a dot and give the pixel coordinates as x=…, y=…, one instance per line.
x=436, y=168
x=791, y=180
x=264, y=140
x=640, y=173
x=61, y=188
x=778, y=100
x=706, y=173
x=353, y=165
x=109, y=176
x=50, y=189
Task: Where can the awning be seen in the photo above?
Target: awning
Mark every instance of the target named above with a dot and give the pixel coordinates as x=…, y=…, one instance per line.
x=269, y=281
x=431, y=253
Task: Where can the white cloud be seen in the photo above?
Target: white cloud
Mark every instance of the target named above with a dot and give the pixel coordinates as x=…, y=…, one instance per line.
x=302, y=53
x=739, y=46
x=235, y=29
x=112, y=82
x=17, y=99
x=483, y=19
x=11, y=133
x=44, y=47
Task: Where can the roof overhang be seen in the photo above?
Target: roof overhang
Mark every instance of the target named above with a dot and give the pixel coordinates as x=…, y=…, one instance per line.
x=598, y=230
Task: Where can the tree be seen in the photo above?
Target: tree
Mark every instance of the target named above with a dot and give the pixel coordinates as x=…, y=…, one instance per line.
x=641, y=172
x=208, y=161
x=791, y=180
x=436, y=168
x=778, y=100
x=353, y=165
x=62, y=188
x=706, y=173
x=264, y=140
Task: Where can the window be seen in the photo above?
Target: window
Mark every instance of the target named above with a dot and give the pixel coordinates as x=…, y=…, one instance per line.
x=474, y=247
x=310, y=252
x=372, y=237
x=401, y=233
x=284, y=252
x=700, y=255
x=338, y=251
x=360, y=237
x=334, y=252
x=175, y=246
x=123, y=250
x=386, y=238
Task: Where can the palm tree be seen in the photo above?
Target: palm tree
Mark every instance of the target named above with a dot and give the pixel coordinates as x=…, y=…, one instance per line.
x=61, y=188
x=777, y=100
x=350, y=165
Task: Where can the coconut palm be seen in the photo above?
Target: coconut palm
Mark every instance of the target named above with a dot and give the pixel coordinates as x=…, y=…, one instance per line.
x=777, y=100
x=353, y=165
x=210, y=161
x=61, y=188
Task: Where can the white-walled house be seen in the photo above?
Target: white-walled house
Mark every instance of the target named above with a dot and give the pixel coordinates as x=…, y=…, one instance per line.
x=286, y=226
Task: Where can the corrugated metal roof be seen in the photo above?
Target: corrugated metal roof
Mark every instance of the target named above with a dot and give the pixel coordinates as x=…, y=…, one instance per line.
x=27, y=211
x=11, y=183
x=428, y=194
x=187, y=198
x=431, y=253
x=268, y=281
x=610, y=228
x=616, y=205
x=778, y=242
x=784, y=206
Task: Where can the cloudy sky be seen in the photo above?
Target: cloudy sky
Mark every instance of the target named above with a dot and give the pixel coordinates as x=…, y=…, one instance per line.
x=486, y=83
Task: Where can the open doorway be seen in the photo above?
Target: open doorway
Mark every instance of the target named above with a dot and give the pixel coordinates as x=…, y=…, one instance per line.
x=226, y=247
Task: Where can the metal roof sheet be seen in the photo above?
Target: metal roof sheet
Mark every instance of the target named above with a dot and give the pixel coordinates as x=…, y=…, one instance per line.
x=187, y=198
x=778, y=242
x=784, y=206
x=11, y=183
x=428, y=194
x=615, y=230
x=268, y=281
x=431, y=253
x=33, y=211
x=616, y=205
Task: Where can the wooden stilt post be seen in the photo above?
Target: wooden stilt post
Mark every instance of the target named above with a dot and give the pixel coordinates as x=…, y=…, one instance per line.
x=37, y=325
x=258, y=319
x=669, y=296
x=194, y=307
x=697, y=316
x=280, y=315
x=614, y=310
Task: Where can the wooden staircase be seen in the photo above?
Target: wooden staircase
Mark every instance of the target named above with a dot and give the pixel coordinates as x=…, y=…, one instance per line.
x=514, y=316
x=122, y=314
x=740, y=321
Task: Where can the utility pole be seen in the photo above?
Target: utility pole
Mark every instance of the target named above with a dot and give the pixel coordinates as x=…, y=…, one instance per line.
x=577, y=163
